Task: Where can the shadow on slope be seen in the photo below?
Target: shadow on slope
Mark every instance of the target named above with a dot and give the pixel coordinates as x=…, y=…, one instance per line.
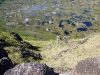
x=19, y=50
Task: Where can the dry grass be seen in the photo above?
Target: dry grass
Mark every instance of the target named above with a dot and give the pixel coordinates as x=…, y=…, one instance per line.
x=68, y=55
x=41, y=44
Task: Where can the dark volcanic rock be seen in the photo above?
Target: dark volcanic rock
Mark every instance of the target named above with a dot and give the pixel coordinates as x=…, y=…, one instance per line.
x=89, y=66
x=27, y=53
x=3, y=53
x=29, y=45
x=16, y=36
x=3, y=43
x=30, y=69
x=5, y=62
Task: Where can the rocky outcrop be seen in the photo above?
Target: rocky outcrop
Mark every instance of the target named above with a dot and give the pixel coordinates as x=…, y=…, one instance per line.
x=16, y=36
x=30, y=69
x=28, y=45
x=5, y=62
x=89, y=66
x=27, y=53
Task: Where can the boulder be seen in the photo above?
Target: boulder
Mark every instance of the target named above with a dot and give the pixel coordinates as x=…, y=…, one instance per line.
x=5, y=62
x=30, y=69
x=89, y=66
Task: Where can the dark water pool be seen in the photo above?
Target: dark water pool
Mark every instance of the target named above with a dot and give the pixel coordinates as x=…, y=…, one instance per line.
x=81, y=29
x=66, y=32
x=68, y=21
x=87, y=23
x=60, y=24
x=79, y=17
x=86, y=11
x=93, y=18
x=54, y=3
x=72, y=14
x=43, y=22
x=73, y=24
x=59, y=14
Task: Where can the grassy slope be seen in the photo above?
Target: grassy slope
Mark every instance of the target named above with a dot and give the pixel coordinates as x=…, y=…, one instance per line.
x=54, y=56
x=13, y=47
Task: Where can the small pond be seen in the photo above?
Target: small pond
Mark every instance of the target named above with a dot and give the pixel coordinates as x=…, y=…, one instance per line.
x=87, y=23
x=60, y=24
x=81, y=29
x=86, y=11
x=66, y=32
x=68, y=21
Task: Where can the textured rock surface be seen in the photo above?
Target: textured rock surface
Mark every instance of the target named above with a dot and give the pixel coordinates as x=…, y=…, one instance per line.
x=89, y=66
x=30, y=69
x=5, y=62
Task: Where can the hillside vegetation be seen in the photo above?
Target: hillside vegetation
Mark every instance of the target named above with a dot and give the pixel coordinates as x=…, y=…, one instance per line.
x=60, y=55
x=18, y=49
x=56, y=54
